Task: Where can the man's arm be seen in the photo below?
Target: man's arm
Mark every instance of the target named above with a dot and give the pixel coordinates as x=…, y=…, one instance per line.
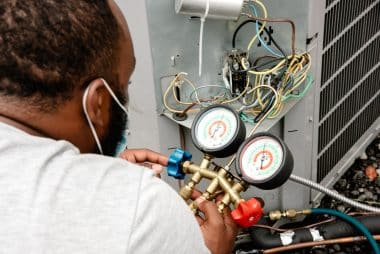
x=219, y=231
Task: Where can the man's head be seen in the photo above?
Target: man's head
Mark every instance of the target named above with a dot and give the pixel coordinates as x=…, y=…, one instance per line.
x=51, y=51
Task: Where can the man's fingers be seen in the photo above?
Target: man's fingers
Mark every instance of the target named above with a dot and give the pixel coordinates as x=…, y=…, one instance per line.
x=127, y=155
x=157, y=169
x=146, y=158
x=219, y=197
x=195, y=194
x=150, y=156
x=200, y=220
x=210, y=210
x=144, y=155
x=229, y=222
x=146, y=165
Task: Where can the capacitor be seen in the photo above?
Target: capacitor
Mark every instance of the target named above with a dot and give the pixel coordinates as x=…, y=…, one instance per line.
x=217, y=9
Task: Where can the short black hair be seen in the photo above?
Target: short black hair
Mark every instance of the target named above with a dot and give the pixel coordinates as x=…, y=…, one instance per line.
x=47, y=47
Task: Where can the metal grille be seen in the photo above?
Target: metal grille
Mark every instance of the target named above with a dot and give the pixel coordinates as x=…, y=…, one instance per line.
x=348, y=138
x=341, y=15
x=329, y=2
x=350, y=81
x=350, y=42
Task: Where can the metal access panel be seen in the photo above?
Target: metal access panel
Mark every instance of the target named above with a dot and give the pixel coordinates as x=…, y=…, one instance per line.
x=349, y=112
x=174, y=40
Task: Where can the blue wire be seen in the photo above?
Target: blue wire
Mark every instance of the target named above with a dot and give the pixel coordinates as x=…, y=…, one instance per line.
x=253, y=8
x=354, y=222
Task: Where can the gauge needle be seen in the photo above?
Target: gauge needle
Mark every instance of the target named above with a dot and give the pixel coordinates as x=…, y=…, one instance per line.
x=217, y=127
x=215, y=130
x=262, y=158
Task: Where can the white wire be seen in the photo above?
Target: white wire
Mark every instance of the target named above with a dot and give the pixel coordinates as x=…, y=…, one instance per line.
x=224, y=74
x=269, y=79
x=203, y=19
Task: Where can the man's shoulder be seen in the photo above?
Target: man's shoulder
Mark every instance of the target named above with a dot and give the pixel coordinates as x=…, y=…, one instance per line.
x=19, y=149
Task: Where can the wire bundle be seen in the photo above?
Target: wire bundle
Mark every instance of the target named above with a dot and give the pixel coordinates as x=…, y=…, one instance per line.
x=284, y=74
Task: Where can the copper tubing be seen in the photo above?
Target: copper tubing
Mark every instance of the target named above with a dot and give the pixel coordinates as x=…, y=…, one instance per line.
x=283, y=21
x=324, y=242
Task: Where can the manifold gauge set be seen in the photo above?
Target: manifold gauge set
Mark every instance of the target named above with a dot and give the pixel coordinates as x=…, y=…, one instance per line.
x=262, y=160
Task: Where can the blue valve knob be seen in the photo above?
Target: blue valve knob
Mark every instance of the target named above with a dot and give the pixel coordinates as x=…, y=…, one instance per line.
x=174, y=163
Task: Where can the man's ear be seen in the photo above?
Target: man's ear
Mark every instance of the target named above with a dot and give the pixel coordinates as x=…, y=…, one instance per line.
x=98, y=105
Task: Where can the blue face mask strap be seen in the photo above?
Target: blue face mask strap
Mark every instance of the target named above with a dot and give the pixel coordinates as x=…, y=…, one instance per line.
x=84, y=99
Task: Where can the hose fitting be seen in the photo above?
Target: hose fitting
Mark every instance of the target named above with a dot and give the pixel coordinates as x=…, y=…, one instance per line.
x=289, y=213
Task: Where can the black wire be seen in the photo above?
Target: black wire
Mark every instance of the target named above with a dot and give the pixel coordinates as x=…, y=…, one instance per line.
x=256, y=67
x=265, y=110
x=263, y=57
x=265, y=29
x=277, y=80
x=279, y=77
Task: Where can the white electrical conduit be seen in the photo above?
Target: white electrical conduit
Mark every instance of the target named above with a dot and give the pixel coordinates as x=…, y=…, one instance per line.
x=203, y=19
x=333, y=194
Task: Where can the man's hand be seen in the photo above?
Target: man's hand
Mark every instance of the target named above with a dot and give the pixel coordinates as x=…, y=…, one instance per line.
x=146, y=158
x=219, y=230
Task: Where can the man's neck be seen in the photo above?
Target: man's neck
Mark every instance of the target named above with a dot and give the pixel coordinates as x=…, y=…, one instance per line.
x=19, y=124
x=65, y=123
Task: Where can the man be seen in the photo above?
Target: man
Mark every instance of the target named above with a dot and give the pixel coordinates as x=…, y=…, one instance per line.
x=64, y=71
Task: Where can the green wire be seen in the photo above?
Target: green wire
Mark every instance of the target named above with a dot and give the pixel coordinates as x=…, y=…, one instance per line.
x=310, y=80
x=245, y=118
x=302, y=94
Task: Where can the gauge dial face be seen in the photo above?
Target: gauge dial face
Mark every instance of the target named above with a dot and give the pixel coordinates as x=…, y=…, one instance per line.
x=261, y=158
x=216, y=128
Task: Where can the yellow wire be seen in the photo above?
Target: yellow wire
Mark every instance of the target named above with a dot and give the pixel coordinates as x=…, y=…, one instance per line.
x=170, y=87
x=274, y=69
x=277, y=100
x=296, y=69
x=296, y=73
x=192, y=86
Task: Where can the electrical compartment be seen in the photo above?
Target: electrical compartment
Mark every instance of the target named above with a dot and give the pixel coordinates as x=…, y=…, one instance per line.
x=215, y=52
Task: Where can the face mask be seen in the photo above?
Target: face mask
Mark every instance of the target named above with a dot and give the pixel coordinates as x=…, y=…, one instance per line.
x=122, y=144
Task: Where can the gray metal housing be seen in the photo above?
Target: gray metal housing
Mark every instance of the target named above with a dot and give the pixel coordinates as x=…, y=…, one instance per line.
x=167, y=43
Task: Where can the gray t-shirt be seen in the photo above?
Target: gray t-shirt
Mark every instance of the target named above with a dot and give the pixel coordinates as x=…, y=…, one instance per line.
x=55, y=200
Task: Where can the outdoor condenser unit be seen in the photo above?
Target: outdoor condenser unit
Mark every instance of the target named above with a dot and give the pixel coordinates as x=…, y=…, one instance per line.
x=326, y=130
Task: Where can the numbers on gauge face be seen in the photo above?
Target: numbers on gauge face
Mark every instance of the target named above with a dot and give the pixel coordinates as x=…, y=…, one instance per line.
x=261, y=158
x=216, y=128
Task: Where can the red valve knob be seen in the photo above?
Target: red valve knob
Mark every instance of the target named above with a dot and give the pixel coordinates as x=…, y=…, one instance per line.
x=247, y=213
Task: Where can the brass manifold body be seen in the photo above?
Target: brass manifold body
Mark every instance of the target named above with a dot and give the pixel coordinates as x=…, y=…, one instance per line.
x=221, y=182
x=245, y=212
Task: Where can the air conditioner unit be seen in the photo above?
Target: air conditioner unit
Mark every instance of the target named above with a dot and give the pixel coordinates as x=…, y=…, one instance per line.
x=326, y=130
